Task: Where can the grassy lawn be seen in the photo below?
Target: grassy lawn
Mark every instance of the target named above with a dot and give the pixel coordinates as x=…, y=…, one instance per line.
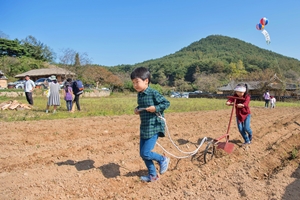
x=116, y=104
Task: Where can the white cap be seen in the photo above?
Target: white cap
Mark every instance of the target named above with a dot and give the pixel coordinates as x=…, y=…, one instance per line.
x=240, y=88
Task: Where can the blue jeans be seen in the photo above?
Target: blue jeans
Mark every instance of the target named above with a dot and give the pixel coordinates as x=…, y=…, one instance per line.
x=146, y=147
x=244, y=128
x=69, y=105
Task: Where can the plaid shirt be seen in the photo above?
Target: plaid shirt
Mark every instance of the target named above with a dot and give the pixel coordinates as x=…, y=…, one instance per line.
x=150, y=123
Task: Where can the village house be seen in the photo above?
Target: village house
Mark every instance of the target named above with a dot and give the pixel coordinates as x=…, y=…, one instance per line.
x=60, y=73
x=276, y=87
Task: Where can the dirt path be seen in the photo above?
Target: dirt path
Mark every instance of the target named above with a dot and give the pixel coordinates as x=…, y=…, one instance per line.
x=97, y=158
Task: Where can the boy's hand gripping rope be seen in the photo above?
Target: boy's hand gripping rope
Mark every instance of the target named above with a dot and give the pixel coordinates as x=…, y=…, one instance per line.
x=179, y=157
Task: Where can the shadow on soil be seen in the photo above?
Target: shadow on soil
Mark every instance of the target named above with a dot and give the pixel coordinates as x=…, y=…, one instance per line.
x=110, y=170
x=292, y=191
x=137, y=173
x=80, y=165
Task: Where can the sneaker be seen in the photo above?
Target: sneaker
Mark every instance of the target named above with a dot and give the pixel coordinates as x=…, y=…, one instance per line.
x=149, y=178
x=246, y=143
x=164, y=165
x=250, y=137
x=54, y=111
x=47, y=111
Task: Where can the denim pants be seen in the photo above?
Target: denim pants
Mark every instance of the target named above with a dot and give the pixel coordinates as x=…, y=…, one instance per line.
x=244, y=128
x=69, y=104
x=146, y=147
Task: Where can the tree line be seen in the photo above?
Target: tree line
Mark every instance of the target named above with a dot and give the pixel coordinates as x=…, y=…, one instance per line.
x=203, y=65
x=214, y=61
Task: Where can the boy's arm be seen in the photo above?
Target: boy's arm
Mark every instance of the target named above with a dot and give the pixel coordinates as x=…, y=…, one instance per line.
x=161, y=103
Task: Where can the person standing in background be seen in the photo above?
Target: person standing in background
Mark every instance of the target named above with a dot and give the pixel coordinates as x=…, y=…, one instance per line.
x=273, y=101
x=267, y=98
x=68, y=95
x=54, y=97
x=77, y=94
x=28, y=88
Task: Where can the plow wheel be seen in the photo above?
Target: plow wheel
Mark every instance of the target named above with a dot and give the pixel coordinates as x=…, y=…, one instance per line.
x=209, y=151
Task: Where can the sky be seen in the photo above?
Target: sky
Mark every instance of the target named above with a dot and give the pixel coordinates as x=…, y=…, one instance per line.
x=116, y=32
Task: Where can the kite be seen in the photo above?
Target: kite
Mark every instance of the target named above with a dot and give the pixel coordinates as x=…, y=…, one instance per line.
x=261, y=26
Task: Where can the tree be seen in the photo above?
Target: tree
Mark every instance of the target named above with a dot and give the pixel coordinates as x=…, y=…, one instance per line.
x=237, y=69
x=37, y=49
x=71, y=57
x=11, y=48
x=159, y=77
x=217, y=66
x=206, y=82
x=157, y=87
x=261, y=75
x=12, y=66
x=182, y=85
x=292, y=75
x=74, y=61
x=77, y=60
x=100, y=75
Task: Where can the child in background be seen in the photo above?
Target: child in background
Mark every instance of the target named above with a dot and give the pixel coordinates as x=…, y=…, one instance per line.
x=149, y=102
x=272, y=101
x=68, y=96
x=243, y=115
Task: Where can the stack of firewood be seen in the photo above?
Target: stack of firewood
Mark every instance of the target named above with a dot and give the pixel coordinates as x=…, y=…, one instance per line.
x=14, y=105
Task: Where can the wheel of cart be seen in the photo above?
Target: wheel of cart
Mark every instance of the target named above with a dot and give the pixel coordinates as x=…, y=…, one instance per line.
x=215, y=144
x=209, y=151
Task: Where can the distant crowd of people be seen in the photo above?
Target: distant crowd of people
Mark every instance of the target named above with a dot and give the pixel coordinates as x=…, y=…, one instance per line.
x=53, y=94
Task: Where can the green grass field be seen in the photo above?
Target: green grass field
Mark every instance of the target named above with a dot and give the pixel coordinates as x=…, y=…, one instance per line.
x=116, y=104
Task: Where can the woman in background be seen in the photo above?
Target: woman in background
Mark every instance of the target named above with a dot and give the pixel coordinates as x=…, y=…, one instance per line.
x=54, y=96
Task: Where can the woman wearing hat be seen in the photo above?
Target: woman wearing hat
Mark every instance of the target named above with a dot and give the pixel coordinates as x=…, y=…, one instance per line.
x=54, y=96
x=243, y=114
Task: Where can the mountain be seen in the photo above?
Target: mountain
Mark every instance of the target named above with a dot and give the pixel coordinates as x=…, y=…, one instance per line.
x=216, y=54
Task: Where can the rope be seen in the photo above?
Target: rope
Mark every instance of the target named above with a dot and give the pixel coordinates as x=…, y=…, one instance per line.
x=179, y=157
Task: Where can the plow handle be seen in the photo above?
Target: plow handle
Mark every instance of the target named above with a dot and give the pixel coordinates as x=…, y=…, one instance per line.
x=233, y=106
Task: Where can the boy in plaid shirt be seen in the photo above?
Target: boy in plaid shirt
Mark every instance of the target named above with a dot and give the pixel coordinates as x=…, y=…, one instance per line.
x=149, y=102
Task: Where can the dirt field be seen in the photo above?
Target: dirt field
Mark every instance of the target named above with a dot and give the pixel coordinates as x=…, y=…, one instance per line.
x=97, y=158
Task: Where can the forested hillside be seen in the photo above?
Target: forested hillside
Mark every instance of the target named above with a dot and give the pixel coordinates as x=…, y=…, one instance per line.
x=218, y=58
x=203, y=65
x=18, y=56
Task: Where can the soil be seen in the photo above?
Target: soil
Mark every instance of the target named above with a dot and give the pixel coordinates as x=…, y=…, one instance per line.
x=98, y=158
